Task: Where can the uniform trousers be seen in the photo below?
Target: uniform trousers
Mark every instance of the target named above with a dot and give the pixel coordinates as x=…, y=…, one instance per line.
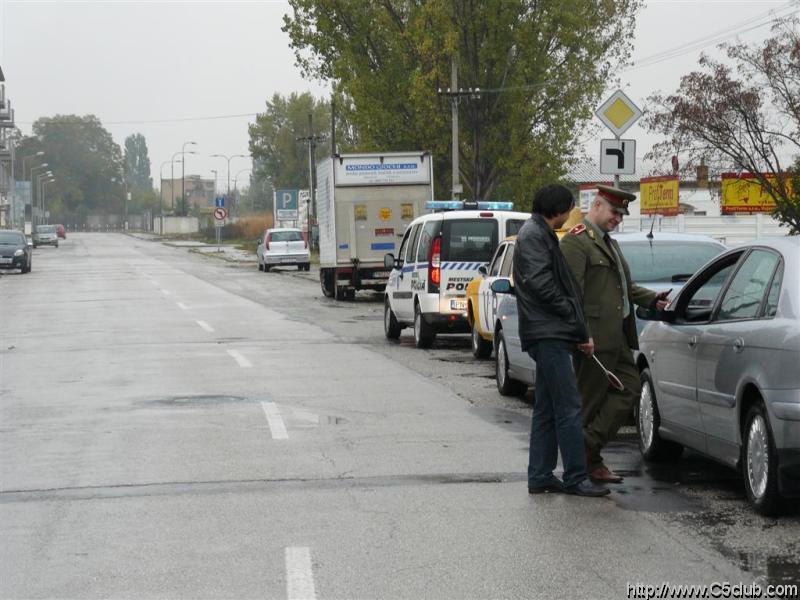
x=605, y=409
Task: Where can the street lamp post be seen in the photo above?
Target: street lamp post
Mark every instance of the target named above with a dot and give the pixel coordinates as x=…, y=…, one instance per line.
x=236, y=180
x=39, y=179
x=183, y=171
x=44, y=183
x=214, y=171
x=34, y=197
x=228, y=159
x=24, y=158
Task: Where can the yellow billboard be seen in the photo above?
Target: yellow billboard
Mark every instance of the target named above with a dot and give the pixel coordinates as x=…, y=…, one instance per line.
x=659, y=195
x=743, y=194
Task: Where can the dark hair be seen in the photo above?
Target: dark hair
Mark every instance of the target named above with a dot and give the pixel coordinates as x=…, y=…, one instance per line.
x=551, y=200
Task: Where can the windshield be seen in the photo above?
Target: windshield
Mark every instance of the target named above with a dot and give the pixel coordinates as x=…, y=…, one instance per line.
x=285, y=236
x=472, y=240
x=11, y=237
x=45, y=229
x=659, y=261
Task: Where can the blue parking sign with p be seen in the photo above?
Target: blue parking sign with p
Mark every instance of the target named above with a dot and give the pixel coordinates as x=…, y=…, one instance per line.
x=286, y=199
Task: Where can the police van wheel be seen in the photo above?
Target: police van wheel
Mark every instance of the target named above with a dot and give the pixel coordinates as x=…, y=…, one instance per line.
x=390, y=325
x=423, y=333
x=505, y=385
x=480, y=347
x=326, y=282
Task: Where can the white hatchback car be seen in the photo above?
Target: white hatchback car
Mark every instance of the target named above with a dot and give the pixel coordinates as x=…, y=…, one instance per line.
x=286, y=246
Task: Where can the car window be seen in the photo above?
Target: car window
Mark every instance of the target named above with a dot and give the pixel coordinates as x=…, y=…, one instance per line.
x=401, y=254
x=286, y=236
x=425, y=240
x=413, y=243
x=508, y=261
x=45, y=229
x=11, y=237
x=469, y=240
x=661, y=261
x=697, y=303
x=513, y=226
x=742, y=299
x=494, y=268
x=771, y=307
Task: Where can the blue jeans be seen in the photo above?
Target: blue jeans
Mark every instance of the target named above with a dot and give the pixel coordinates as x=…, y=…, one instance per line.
x=556, y=421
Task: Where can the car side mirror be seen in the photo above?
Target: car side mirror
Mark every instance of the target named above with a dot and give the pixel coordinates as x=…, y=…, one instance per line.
x=390, y=262
x=483, y=270
x=502, y=286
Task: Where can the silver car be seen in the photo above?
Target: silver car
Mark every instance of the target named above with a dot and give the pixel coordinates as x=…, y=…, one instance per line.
x=45, y=235
x=720, y=369
x=661, y=262
x=283, y=246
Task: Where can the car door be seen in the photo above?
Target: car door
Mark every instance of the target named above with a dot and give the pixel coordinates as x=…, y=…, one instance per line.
x=729, y=350
x=486, y=297
x=671, y=352
x=402, y=299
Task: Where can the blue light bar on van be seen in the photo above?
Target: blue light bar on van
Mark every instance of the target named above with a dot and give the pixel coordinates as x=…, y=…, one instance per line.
x=458, y=205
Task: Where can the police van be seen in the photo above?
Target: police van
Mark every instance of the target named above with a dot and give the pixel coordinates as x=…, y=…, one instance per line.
x=439, y=255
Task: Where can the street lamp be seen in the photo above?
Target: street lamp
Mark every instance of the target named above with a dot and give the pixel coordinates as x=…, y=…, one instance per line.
x=125, y=201
x=228, y=158
x=172, y=175
x=161, y=188
x=38, y=183
x=34, y=197
x=183, y=169
x=236, y=180
x=24, y=158
x=214, y=171
x=44, y=183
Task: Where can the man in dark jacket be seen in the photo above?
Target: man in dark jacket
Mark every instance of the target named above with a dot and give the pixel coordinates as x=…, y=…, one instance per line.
x=551, y=328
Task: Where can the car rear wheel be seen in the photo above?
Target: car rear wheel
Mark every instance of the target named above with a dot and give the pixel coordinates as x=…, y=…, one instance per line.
x=505, y=384
x=266, y=268
x=424, y=335
x=326, y=282
x=652, y=446
x=260, y=267
x=480, y=347
x=760, y=463
x=390, y=325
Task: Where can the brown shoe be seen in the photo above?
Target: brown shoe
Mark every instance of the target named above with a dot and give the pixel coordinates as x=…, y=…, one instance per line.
x=603, y=474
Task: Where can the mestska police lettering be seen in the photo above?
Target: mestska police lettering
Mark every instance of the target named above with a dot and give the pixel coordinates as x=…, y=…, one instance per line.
x=457, y=283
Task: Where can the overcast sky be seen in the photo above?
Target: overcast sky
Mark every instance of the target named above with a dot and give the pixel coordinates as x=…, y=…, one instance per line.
x=163, y=68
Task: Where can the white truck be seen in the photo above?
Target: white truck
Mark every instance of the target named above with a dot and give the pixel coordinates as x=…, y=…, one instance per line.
x=365, y=203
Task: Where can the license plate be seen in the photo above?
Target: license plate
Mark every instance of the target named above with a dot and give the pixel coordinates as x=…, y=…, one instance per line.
x=378, y=274
x=5, y=261
x=458, y=304
x=288, y=260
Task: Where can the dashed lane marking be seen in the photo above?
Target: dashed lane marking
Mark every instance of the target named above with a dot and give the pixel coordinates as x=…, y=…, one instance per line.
x=182, y=306
x=165, y=292
x=299, y=574
x=206, y=326
x=240, y=358
x=275, y=421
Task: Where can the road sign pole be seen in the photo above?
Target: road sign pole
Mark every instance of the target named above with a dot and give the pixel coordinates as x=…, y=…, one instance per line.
x=616, y=177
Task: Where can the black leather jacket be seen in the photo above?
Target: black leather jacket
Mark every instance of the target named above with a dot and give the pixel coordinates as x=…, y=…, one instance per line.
x=548, y=300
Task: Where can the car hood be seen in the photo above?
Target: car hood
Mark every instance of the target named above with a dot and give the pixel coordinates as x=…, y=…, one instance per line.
x=12, y=247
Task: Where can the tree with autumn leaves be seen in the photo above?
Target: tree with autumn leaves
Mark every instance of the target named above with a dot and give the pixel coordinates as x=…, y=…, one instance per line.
x=741, y=116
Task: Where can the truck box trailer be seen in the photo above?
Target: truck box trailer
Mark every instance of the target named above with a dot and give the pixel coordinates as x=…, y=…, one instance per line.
x=365, y=202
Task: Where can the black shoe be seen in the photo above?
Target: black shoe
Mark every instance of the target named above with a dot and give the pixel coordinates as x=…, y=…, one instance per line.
x=554, y=487
x=588, y=489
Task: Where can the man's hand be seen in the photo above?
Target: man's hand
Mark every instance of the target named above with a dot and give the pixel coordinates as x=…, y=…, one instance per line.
x=587, y=348
x=662, y=300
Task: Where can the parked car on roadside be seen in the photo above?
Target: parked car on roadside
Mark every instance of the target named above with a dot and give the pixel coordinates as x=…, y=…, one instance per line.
x=15, y=251
x=439, y=255
x=660, y=263
x=720, y=369
x=45, y=235
x=283, y=246
x=61, y=231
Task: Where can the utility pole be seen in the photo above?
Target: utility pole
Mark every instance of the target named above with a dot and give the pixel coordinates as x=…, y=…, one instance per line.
x=311, y=140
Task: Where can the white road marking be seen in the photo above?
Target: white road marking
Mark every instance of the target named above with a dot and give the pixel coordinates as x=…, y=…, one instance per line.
x=276, y=425
x=240, y=358
x=206, y=326
x=299, y=574
x=182, y=306
x=154, y=282
x=165, y=292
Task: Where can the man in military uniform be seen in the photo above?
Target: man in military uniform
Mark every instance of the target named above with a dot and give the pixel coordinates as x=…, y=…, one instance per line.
x=608, y=297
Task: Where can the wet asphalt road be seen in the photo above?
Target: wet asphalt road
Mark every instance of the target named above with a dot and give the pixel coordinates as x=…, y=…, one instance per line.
x=407, y=466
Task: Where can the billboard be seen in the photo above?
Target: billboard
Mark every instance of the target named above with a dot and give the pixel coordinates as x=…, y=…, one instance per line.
x=659, y=195
x=390, y=169
x=742, y=193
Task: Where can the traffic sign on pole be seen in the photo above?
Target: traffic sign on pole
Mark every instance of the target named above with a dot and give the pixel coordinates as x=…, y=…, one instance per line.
x=617, y=157
x=618, y=113
x=220, y=214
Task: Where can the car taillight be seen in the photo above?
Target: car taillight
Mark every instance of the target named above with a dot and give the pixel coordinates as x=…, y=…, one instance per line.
x=305, y=243
x=266, y=242
x=434, y=265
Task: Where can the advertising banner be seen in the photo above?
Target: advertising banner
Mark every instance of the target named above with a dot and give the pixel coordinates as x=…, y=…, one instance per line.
x=659, y=195
x=742, y=193
x=390, y=169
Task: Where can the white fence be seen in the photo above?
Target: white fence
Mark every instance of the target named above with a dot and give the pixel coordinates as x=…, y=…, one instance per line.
x=175, y=225
x=729, y=229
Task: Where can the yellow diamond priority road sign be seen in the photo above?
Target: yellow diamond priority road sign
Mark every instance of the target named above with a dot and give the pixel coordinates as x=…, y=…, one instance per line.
x=618, y=113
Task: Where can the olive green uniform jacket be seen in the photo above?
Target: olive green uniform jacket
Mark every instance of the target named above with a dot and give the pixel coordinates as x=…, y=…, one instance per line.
x=595, y=268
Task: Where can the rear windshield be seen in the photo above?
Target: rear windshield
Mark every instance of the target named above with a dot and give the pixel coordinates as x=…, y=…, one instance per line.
x=45, y=229
x=513, y=226
x=473, y=240
x=285, y=236
x=663, y=260
x=11, y=237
